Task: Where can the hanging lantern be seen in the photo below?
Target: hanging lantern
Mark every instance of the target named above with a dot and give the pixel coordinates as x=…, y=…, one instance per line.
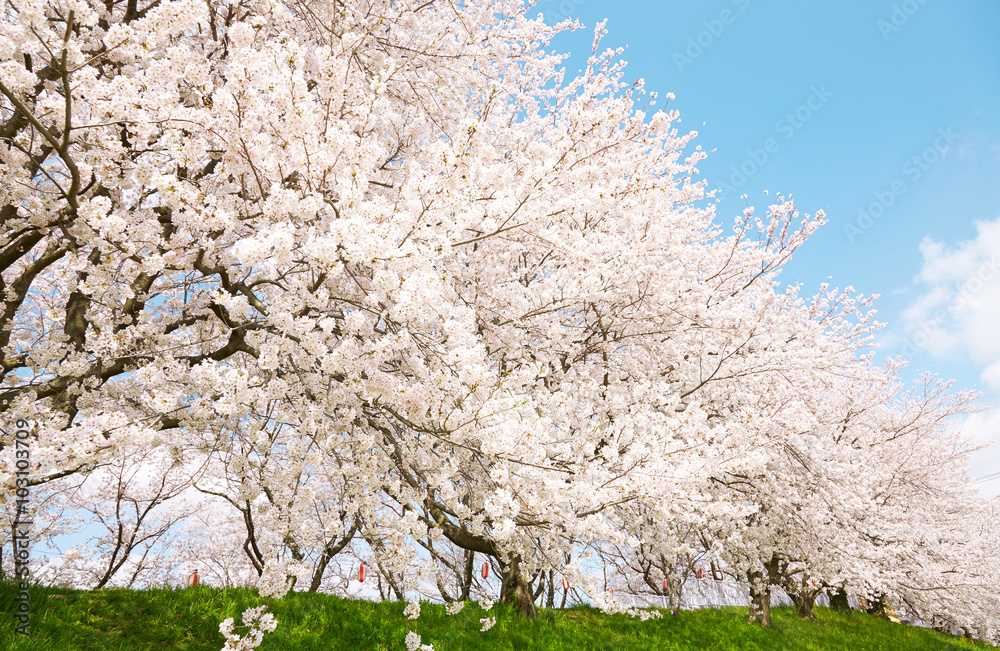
x=565, y=584
x=701, y=573
x=361, y=573
x=486, y=570
x=193, y=579
x=664, y=584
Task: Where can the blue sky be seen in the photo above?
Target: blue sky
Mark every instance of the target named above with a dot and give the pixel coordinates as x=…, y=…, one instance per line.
x=884, y=114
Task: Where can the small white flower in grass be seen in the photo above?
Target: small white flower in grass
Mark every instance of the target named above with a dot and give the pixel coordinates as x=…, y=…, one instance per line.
x=413, y=643
x=256, y=622
x=412, y=610
x=485, y=604
x=455, y=607
x=487, y=623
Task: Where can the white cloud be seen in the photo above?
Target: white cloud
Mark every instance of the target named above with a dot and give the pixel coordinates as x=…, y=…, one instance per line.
x=957, y=318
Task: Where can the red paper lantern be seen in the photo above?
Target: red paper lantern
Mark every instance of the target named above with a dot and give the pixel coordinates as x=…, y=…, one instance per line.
x=565, y=584
x=701, y=573
x=664, y=584
x=193, y=579
x=612, y=591
x=486, y=570
x=361, y=573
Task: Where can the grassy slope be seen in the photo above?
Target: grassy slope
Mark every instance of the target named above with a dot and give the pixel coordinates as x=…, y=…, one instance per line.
x=67, y=620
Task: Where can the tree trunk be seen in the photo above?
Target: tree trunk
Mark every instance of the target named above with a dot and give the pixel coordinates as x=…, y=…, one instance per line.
x=760, y=600
x=804, y=602
x=515, y=590
x=803, y=594
x=537, y=592
x=330, y=550
x=838, y=601
x=470, y=568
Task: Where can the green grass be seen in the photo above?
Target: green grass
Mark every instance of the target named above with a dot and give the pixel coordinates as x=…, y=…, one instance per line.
x=188, y=619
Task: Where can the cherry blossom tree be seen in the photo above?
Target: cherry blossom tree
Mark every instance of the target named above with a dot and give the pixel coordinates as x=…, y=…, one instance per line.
x=395, y=276
x=134, y=504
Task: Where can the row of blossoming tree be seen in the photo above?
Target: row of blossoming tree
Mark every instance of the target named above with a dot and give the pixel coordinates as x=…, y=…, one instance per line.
x=287, y=282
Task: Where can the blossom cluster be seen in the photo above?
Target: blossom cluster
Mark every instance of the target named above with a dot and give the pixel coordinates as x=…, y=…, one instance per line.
x=256, y=622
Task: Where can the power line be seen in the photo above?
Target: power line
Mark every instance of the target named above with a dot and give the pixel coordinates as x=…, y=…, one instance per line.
x=990, y=477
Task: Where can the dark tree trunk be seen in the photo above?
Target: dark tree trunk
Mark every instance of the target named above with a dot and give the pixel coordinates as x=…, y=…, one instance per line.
x=537, y=592
x=470, y=568
x=760, y=599
x=804, y=602
x=838, y=601
x=515, y=589
x=330, y=550
x=803, y=594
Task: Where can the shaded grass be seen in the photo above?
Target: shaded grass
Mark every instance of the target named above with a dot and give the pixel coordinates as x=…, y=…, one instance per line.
x=188, y=619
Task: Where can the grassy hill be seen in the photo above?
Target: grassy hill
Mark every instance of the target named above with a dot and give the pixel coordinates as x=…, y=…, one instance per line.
x=119, y=620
